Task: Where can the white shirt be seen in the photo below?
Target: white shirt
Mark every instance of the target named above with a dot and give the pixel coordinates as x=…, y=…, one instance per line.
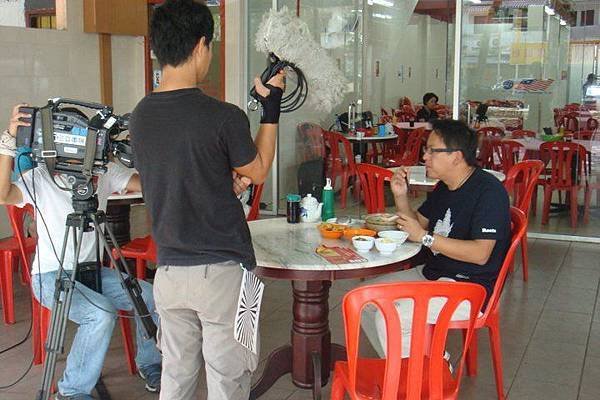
x=54, y=205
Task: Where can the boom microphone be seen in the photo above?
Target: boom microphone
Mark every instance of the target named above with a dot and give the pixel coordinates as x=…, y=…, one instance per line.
x=287, y=41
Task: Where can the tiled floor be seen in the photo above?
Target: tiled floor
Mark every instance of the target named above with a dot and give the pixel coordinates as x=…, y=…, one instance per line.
x=550, y=335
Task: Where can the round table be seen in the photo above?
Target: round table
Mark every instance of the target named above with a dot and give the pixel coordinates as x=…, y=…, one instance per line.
x=415, y=125
x=287, y=251
x=362, y=141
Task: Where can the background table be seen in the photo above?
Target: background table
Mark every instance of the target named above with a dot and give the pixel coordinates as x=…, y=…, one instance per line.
x=287, y=251
x=362, y=141
x=406, y=125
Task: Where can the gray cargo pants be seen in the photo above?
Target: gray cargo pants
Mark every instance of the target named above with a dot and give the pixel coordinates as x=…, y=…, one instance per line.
x=197, y=308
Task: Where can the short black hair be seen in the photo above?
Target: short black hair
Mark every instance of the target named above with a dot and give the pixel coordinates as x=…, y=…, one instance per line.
x=176, y=27
x=457, y=135
x=428, y=96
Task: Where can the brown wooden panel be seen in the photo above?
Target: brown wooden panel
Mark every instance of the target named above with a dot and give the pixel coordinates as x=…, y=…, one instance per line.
x=105, y=47
x=117, y=17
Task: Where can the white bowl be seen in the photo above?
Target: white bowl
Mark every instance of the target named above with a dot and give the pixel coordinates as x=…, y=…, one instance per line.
x=363, y=243
x=398, y=236
x=386, y=245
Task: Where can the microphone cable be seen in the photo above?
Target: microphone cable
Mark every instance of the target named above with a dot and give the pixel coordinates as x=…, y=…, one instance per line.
x=293, y=100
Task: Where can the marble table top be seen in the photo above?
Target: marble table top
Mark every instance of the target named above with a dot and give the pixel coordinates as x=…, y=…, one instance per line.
x=284, y=246
x=418, y=175
x=126, y=196
x=406, y=125
x=375, y=138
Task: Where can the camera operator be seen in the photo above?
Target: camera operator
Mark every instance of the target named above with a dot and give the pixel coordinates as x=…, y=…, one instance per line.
x=185, y=144
x=86, y=357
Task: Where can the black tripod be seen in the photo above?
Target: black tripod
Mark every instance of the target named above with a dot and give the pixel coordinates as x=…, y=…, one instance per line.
x=86, y=218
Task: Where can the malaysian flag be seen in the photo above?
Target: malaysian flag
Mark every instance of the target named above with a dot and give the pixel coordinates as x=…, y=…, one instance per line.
x=533, y=85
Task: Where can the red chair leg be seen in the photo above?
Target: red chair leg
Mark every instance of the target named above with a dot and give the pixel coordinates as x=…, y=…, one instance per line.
x=35, y=332
x=471, y=358
x=573, y=207
x=344, y=190
x=524, y=257
x=127, y=341
x=337, y=388
x=494, y=330
x=546, y=207
x=6, y=283
x=140, y=268
x=586, y=204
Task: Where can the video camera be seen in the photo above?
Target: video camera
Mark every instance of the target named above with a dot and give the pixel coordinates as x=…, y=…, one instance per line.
x=68, y=142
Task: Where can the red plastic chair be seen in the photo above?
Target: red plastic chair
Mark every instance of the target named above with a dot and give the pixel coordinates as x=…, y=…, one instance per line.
x=255, y=207
x=372, y=180
x=310, y=136
x=591, y=124
x=563, y=156
x=520, y=182
x=412, y=150
x=490, y=131
x=340, y=164
x=491, y=317
x=583, y=135
x=570, y=122
x=41, y=315
x=511, y=154
x=9, y=259
x=522, y=133
x=425, y=374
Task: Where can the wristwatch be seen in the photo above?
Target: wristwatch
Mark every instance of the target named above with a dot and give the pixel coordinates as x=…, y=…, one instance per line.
x=427, y=240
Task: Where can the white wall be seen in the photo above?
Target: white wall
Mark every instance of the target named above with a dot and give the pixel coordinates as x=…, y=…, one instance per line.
x=12, y=12
x=37, y=64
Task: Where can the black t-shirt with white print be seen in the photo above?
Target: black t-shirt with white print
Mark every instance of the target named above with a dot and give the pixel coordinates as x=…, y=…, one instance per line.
x=479, y=209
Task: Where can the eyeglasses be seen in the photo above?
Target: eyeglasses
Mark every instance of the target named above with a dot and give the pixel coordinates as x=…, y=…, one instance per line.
x=431, y=150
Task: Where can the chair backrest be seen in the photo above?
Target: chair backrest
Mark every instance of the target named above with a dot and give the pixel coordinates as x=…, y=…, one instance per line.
x=414, y=144
x=511, y=153
x=570, y=122
x=583, y=135
x=522, y=133
x=591, y=124
x=372, y=180
x=255, y=207
x=490, y=131
x=521, y=181
x=334, y=141
x=518, y=228
x=428, y=342
x=563, y=156
x=16, y=216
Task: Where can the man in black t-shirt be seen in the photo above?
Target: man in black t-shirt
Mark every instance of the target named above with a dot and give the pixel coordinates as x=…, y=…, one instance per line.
x=186, y=145
x=465, y=222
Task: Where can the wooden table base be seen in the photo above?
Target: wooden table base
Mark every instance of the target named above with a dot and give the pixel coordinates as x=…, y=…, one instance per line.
x=311, y=355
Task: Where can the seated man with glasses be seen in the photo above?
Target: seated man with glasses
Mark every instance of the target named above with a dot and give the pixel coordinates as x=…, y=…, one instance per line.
x=465, y=223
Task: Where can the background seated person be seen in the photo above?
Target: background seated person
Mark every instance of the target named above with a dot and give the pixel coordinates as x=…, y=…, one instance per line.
x=427, y=112
x=465, y=223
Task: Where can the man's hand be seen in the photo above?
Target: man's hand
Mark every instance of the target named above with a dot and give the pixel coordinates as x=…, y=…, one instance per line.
x=412, y=227
x=399, y=182
x=240, y=183
x=276, y=81
x=15, y=119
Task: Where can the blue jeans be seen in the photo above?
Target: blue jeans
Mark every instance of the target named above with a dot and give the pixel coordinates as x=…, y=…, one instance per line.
x=85, y=360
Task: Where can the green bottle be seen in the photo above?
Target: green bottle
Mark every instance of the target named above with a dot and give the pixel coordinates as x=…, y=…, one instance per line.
x=328, y=211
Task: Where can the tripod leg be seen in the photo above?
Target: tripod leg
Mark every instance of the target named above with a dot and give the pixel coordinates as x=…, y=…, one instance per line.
x=130, y=283
x=60, y=313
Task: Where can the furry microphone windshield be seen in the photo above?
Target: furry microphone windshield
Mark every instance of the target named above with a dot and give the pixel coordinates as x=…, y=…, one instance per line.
x=287, y=39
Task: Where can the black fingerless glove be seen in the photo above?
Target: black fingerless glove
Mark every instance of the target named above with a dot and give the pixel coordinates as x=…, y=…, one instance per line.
x=271, y=105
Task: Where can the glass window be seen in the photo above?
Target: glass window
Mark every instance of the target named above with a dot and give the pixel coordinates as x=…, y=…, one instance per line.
x=41, y=14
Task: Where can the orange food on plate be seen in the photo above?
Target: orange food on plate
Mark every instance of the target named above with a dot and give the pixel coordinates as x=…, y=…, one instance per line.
x=331, y=231
x=350, y=233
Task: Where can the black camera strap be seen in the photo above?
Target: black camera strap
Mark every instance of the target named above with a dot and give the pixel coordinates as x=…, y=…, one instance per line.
x=49, y=152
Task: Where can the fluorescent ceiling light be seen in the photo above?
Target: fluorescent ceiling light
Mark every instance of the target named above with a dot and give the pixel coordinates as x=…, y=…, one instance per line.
x=549, y=10
x=563, y=22
x=476, y=1
x=385, y=3
x=382, y=16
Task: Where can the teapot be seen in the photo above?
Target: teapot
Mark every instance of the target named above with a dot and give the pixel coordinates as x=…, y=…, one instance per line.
x=310, y=209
